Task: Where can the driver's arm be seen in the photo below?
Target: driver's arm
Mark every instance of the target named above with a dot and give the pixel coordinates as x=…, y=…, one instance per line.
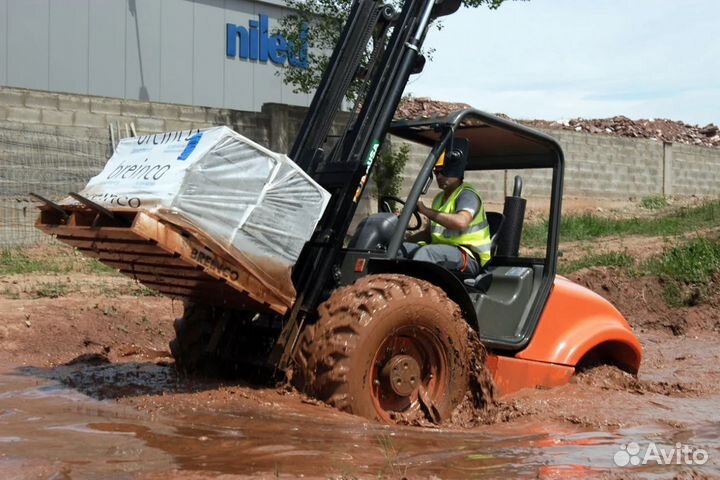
x=457, y=221
x=422, y=235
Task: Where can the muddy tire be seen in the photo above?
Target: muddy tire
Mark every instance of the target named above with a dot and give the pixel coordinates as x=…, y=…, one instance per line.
x=193, y=333
x=390, y=348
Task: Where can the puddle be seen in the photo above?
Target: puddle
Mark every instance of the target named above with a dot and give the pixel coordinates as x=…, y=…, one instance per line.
x=50, y=431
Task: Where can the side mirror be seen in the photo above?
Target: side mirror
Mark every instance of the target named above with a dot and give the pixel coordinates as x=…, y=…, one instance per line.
x=428, y=184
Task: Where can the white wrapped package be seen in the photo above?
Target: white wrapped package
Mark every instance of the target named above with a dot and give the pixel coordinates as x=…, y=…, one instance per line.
x=257, y=205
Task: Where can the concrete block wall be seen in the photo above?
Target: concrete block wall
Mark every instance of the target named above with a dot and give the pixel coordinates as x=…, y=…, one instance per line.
x=611, y=167
x=86, y=116
x=603, y=167
x=596, y=166
x=489, y=184
x=53, y=143
x=694, y=170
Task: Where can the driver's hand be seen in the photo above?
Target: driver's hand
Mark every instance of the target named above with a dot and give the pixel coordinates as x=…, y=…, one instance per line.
x=422, y=208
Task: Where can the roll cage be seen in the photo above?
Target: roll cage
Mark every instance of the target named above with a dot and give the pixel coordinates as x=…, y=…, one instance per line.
x=495, y=144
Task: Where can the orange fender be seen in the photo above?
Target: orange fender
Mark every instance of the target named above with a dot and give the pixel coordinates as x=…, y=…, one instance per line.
x=577, y=321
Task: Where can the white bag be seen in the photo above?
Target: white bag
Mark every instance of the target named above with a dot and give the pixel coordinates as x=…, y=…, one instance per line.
x=256, y=204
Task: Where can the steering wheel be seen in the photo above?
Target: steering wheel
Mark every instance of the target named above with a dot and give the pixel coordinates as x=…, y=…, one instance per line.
x=385, y=206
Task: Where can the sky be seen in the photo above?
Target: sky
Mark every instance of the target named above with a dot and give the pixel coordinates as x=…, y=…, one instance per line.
x=561, y=59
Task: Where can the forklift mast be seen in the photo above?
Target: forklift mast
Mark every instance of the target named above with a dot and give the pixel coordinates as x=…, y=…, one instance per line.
x=393, y=40
x=391, y=43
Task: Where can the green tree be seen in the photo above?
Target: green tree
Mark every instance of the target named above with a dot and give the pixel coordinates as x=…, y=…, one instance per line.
x=319, y=23
x=389, y=169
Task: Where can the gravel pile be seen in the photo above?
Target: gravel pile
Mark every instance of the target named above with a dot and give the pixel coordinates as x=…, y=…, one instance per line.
x=656, y=129
x=660, y=129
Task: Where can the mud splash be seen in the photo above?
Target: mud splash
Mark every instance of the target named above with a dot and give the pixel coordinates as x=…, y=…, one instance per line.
x=608, y=377
x=479, y=406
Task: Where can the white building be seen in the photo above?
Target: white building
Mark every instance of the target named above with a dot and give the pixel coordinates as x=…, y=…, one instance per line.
x=214, y=53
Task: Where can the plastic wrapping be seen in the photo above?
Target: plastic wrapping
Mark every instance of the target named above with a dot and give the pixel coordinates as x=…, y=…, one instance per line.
x=227, y=190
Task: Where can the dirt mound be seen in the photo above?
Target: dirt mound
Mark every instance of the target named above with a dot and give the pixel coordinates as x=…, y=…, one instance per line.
x=608, y=377
x=426, y=107
x=84, y=328
x=656, y=129
x=641, y=301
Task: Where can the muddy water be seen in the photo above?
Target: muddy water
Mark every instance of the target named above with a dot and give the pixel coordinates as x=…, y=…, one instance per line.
x=50, y=430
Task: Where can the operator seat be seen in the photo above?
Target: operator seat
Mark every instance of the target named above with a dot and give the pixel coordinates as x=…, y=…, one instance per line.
x=495, y=222
x=483, y=280
x=505, y=234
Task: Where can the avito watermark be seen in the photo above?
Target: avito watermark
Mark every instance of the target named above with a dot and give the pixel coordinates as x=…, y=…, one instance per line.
x=680, y=454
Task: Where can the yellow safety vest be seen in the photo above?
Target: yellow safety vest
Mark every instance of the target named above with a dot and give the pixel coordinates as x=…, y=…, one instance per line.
x=475, y=239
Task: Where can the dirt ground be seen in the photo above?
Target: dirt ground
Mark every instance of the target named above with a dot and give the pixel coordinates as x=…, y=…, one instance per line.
x=88, y=390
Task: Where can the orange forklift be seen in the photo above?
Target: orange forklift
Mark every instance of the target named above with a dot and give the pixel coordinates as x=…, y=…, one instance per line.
x=369, y=331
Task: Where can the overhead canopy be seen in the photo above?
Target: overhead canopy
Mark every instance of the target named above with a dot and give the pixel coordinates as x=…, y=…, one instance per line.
x=495, y=143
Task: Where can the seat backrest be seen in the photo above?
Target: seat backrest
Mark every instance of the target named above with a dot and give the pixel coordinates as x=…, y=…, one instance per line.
x=495, y=221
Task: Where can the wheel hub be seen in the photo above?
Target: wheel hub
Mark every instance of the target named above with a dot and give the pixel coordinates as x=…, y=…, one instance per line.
x=402, y=372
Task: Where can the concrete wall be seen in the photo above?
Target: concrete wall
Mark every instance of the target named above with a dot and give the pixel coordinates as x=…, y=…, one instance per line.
x=694, y=170
x=596, y=166
x=611, y=167
x=82, y=116
x=53, y=143
x=606, y=167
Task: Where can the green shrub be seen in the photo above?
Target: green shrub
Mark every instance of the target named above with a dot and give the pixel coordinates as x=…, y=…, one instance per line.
x=694, y=262
x=388, y=170
x=687, y=270
x=655, y=202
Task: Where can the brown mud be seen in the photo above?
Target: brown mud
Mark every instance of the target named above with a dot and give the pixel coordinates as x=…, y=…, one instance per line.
x=88, y=390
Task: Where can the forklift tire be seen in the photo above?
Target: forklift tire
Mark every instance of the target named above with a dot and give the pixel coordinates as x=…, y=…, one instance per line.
x=193, y=333
x=391, y=348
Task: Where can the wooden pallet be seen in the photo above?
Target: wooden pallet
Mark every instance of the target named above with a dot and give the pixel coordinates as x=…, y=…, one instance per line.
x=163, y=257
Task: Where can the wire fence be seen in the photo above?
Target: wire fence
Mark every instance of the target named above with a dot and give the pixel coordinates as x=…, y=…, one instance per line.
x=44, y=163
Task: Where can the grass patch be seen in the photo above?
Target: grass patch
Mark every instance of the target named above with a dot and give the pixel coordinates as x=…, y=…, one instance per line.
x=51, y=290
x=95, y=266
x=694, y=262
x=655, y=202
x=613, y=259
x=135, y=289
x=14, y=261
x=588, y=226
x=143, y=291
x=687, y=270
x=17, y=261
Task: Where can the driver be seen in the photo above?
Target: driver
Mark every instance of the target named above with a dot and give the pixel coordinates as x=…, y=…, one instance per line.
x=458, y=230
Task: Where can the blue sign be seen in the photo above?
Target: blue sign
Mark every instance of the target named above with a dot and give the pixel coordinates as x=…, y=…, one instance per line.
x=255, y=43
